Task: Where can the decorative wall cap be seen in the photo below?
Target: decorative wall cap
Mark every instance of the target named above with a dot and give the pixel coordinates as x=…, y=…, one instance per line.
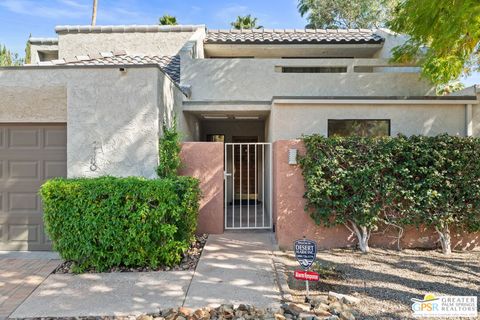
x=126, y=28
x=40, y=41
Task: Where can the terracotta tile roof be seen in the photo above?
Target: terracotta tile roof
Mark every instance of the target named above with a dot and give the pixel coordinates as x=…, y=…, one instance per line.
x=294, y=36
x=169, y=64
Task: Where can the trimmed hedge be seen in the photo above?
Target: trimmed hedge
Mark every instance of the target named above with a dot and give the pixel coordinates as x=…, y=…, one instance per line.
x=105, y=222
x=363, y=183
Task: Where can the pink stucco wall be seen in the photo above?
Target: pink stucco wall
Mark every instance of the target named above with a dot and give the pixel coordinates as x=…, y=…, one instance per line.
x=204, y=160
x=293, y=222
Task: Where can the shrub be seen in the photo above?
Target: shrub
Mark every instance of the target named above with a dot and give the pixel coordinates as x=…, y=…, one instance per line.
x=169, y=152
x=421, y=181
x=106, y=222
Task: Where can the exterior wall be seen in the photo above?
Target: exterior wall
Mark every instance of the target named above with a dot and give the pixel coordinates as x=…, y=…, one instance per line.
x=204, y=160
x=293, y=222
x=35, y=49
x=113, y=117
x=260, y=79
x=476, y=118
x=145, y=43
x=291, y=121
x=26, y=104
x=233, y=128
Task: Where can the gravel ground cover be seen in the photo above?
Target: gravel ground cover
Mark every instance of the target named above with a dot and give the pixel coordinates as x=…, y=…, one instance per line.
x=386, y=280
x=189, y=261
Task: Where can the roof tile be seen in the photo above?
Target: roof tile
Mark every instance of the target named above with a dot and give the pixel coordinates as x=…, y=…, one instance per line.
x=293, y=36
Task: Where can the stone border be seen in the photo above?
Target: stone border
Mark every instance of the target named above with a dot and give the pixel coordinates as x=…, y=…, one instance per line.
x=281, y=277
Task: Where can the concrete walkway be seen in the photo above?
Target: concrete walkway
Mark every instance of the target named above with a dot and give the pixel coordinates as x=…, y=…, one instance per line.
x=235, y=268
x=106, y=294
x=20, y=274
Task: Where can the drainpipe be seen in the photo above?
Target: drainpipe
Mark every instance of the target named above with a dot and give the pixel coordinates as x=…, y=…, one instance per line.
x=468, y=120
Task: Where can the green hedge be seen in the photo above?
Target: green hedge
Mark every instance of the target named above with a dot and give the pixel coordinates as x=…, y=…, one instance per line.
x=106, y=222
x=367, y=182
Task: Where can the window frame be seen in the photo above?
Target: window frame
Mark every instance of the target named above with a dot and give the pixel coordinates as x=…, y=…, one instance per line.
x=389, y=122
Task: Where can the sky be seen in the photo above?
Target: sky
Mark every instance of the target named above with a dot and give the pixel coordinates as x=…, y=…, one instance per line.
x=20, y=18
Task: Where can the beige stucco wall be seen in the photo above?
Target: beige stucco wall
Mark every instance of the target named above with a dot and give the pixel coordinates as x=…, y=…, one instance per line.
x=476, y=118
x=146, y=43
x=260, y=79
x=25, y=104
x=288, y=121
x=113, y=117
x=35, y=48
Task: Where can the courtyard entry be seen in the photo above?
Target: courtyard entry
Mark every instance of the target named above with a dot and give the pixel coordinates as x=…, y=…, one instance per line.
x=247, y=184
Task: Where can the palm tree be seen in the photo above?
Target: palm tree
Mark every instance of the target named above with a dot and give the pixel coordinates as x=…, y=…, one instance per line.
x=94, y=12
x=168, y=20
x=245, y=22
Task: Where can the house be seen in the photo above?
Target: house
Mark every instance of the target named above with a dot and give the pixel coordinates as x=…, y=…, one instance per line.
x=94, y=99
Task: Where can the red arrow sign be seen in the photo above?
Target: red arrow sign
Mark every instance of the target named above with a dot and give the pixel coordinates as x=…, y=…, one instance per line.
x=306, y=275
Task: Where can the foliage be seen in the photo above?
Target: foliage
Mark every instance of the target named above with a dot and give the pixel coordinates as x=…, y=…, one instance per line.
x=106, y=222
x=365, y=182
x=168, y=20
x=452, y=86
x=444, y=37
x=323, y=14
x=169, y=151
x=8, y=58
x=28, y=51
x=246, y=22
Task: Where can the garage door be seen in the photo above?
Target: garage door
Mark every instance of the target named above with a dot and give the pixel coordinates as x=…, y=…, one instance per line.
x=29, y=154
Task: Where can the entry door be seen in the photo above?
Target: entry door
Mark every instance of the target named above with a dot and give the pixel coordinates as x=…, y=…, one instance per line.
x=248, y=185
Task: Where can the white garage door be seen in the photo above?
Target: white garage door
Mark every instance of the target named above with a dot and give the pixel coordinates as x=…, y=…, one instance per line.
x=29, y=155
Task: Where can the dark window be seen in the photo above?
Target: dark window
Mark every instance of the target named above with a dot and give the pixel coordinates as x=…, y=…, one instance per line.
x=314, y=69
x=363, y=128
x=215, y=138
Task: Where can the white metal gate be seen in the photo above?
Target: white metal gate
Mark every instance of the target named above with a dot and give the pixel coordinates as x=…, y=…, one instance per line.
x=248, y=185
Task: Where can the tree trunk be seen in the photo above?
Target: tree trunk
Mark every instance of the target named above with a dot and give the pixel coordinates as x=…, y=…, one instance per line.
x=94, y=12
x=445, y=239
x=363, y=235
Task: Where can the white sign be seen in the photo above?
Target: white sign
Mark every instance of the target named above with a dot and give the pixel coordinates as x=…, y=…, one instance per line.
x=445, y=306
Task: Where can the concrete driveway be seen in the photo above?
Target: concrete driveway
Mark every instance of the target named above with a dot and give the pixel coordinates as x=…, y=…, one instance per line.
x=20, y=274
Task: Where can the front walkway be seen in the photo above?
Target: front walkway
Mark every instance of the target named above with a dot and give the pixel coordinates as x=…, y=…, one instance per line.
x=234, y=268
x=20, y=274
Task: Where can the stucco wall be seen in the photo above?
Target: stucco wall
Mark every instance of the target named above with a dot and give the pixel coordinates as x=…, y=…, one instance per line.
x=476, y=118
x=25, y=104
x=290, y=121
x=113, y=117
x=259, y=79
x=293, y=222
x=204, y=160
x=146, y=43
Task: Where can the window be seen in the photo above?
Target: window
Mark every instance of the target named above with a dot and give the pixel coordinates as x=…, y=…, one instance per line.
x=314, y=69
x=215, y=137
x=363, y=128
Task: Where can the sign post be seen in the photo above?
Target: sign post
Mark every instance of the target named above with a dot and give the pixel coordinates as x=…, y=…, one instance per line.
x=306, y=253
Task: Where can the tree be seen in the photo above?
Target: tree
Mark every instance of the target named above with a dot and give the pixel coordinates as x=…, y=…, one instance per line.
x=8, y=58
x=168, y=20
x=28, y=51
x=322, y=14
x=246, y=22
x=444, y=37
x=94, y=12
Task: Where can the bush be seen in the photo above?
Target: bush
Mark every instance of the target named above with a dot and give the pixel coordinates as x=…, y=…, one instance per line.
x=105, y=222
x=420, y=181
x=169, y=152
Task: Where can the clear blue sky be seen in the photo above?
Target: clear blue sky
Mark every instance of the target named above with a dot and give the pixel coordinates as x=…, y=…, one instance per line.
x=19, y=18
